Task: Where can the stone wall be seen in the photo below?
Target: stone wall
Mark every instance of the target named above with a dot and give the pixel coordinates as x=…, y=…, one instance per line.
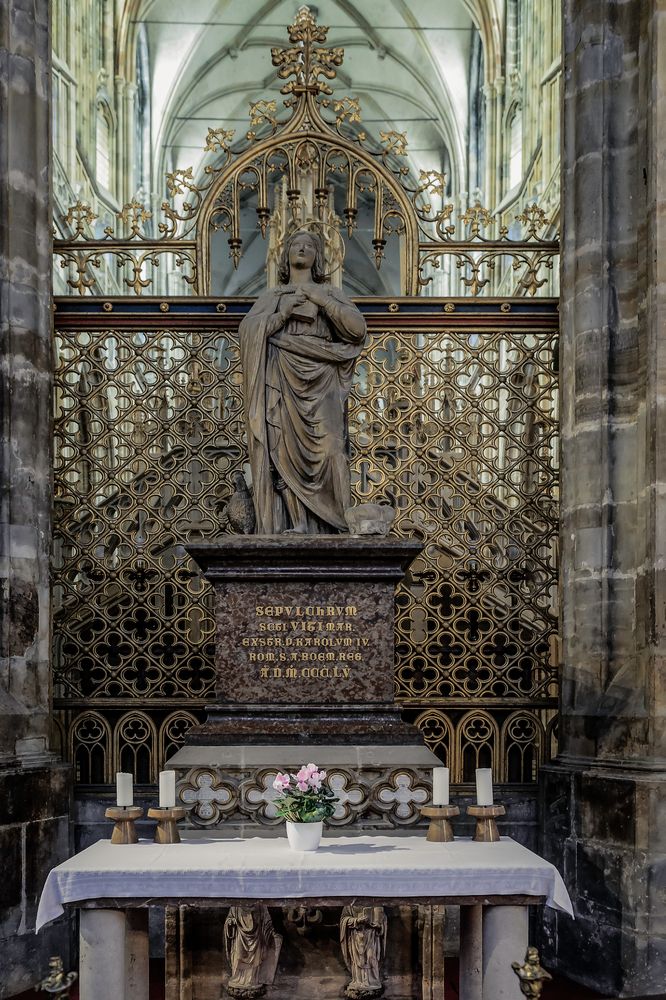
x=601, y=798
x=34, y=786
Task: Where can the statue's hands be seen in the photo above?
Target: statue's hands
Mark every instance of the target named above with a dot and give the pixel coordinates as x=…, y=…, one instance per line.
x=316, y=293
x=291, y=302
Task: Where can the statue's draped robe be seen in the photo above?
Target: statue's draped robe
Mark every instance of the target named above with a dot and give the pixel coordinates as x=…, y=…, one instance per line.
x=363, y=943
x=296, y=380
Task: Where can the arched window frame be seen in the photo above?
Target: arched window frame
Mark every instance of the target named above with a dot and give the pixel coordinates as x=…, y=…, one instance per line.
x=143, y=157
x=104, y=116
x=513, y=120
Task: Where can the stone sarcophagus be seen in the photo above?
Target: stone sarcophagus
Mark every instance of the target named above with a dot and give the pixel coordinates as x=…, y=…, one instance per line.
x=305, y=648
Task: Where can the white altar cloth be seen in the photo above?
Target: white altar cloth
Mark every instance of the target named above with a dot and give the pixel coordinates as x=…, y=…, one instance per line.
x=263, y=868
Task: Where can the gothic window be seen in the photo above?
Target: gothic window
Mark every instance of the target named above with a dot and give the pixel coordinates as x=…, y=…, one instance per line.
x=515, y=149
x=103, y=147
x=142, y=120
x=477, y=115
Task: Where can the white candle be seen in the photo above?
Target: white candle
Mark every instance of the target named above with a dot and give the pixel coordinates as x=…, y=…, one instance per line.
x=124, y=789
x=440, y=786
x=484, y=786
x=167, y=789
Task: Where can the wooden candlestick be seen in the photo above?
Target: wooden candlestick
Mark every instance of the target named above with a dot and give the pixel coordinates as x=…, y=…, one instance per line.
x=440, y=830
x=166, y=831
x=486, y=828
x=124, y=832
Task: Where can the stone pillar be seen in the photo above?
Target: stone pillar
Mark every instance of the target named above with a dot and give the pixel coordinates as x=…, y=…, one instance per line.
x=505, y=940
x=103, y=954
x=34, y=787
x=470, y=985
x=601, y=797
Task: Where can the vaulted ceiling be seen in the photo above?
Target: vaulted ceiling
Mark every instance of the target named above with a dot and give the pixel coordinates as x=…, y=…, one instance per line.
x=407, y=62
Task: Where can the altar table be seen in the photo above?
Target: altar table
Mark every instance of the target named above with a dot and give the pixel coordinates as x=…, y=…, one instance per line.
x=114, y=884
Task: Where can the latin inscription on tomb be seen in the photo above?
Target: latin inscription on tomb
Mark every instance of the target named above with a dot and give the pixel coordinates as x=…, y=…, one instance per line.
x=308, y=644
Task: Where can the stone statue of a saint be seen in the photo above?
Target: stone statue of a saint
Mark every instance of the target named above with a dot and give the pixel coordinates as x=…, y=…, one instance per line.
x=252, y=948
x=363, y=943
x=298, y=345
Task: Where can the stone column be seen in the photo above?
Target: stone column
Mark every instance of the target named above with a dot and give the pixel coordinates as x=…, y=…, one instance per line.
x=34, y=788
x=505, y=940
x=103, y=954
x=471, y=953
x=601, y=797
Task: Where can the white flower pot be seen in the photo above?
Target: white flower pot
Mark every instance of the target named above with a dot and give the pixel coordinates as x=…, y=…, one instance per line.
x=304, y=836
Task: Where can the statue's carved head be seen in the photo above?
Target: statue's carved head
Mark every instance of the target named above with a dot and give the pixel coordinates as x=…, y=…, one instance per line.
x=319, y=274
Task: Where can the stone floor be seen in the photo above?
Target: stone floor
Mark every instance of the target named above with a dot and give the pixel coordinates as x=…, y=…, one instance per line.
x=559, y=989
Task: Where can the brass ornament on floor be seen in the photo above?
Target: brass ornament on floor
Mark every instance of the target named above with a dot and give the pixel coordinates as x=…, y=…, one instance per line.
x=58, y=982
x=530, y=974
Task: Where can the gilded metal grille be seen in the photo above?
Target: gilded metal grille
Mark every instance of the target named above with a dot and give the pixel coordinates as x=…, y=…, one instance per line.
x=453, y=424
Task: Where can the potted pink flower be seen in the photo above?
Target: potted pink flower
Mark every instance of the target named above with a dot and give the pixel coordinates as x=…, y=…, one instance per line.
x=304, y=802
